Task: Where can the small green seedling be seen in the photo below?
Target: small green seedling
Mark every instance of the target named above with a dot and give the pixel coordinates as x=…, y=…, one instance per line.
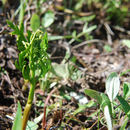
x=33, y=61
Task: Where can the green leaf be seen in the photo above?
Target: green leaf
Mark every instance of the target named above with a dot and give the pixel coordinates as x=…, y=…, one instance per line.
x=107, y=110
x=52, y=38
x=125, y=72
x=48, y=19
x=126, y=90
x=35, y=58
x=124, y=124
x=4, y=2
x=26, y=72
x=17, y=65
x=19, y=33
x=44, y=43
x=90, y=29
x=126, y=42
x=21, y=28
x=94, y=94
x=15, y=28
x=10, y=24
x=65, y=96
x=107, y=48
x=112, y=86
x=81, y=108
x=39, y=61
x=35, y=22
x=125, y=106
x=23, y=5
x=106, y=102
x=17, y=125
x=79, y=5
x=87, y=18
x=61, y=70
x=22, y=56
x=108, y=117
x=29, y=35
x=31, y=126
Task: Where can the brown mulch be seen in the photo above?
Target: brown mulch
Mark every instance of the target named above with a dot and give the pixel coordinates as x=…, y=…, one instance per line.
x=95, y=63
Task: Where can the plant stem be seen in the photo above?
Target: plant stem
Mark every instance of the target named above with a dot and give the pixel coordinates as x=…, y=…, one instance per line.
x=25, y=85
x=45, y=106
x=28, y=105
x=113, y=113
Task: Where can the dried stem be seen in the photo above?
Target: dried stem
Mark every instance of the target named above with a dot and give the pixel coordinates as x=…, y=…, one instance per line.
x=46, y=103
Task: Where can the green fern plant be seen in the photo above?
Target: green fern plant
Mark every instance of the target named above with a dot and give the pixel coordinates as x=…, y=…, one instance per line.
x=33, y=60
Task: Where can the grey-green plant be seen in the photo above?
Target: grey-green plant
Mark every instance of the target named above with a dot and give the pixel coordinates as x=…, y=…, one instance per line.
x=107, y=101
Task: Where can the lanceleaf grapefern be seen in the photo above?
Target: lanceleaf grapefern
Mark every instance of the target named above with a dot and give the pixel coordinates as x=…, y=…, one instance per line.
x=33, y=61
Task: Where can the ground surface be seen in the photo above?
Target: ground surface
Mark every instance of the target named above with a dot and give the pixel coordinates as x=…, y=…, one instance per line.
x=92, y=60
